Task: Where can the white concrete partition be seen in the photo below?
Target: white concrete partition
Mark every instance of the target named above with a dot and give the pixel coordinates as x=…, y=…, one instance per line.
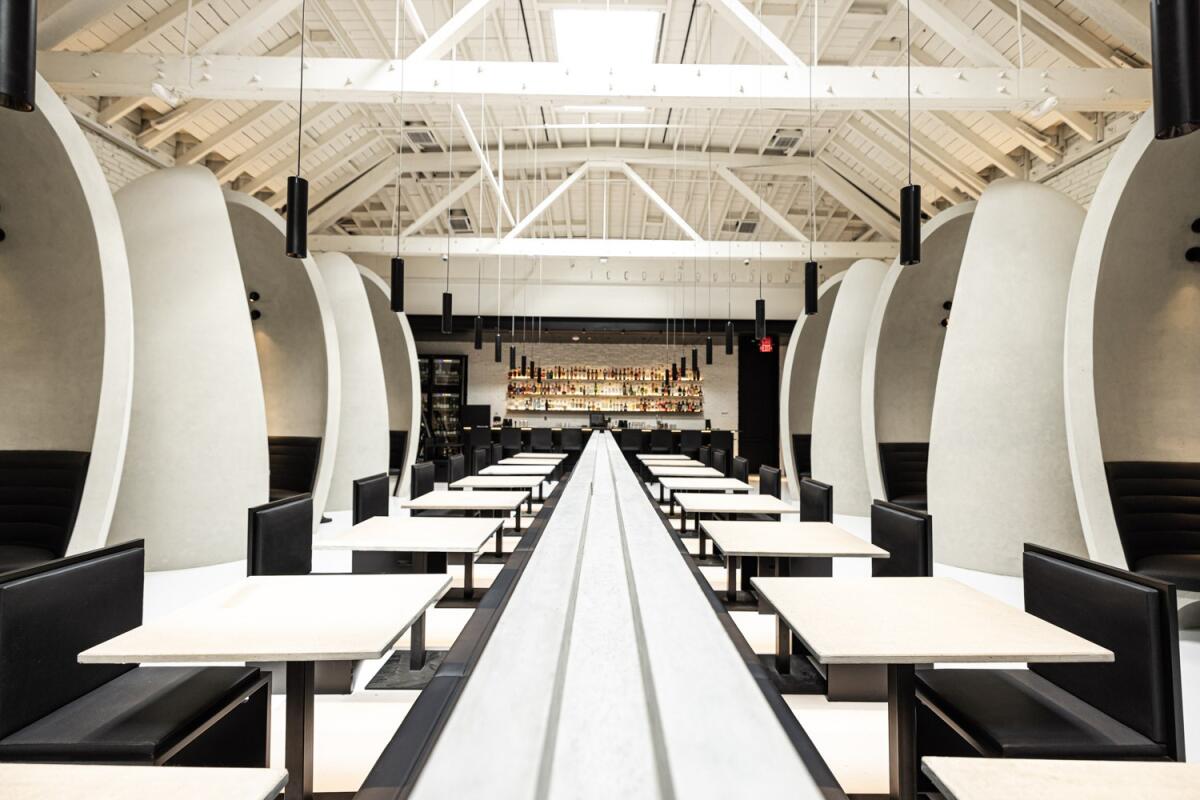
x=66, y=317
x=197, y=456
x=398, y=351
x=362, y=445
x=1133, y=325
x=295, y=336
x=999, y=475
x=904, y=341
x=798, y=384
x=837, y=446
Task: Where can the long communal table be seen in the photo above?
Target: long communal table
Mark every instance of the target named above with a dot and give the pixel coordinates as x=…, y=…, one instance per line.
x=108, y=782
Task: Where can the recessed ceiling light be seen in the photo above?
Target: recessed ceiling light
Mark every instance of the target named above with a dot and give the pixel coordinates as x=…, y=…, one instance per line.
x=596, y=37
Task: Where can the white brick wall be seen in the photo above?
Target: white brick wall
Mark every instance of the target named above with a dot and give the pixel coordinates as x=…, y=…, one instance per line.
x=487, y=381
x=119, y=165
x=1079, y=181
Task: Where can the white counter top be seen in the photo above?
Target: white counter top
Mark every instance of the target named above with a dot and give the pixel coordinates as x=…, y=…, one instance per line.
x=788, y=539
x=97, y=782
x=446, y=500
x=414, y=535
x=1009, y=778
x=694, y=503
x=519, y=469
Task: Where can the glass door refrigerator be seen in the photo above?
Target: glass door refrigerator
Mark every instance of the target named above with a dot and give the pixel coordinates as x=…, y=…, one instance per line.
x=443, y=395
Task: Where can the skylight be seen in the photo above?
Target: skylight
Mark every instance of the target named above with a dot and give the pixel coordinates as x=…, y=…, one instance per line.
x=594, y=36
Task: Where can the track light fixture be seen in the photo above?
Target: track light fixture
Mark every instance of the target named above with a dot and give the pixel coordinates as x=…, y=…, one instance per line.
x=18, y=54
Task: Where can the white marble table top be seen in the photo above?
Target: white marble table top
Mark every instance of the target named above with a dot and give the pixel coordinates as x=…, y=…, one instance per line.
x=414, y=535
x=518, y=462
x=664, y=457
x=498, y=482
x=915, y=621
x=665, y=471
x=518, y=469
x=788, y=539
x=540, y=456
x=733, y=503
x=1008, y=778
x=704, y=484
x=446, y=500
x=105, y=782
x=672, y=462
x=281, y=618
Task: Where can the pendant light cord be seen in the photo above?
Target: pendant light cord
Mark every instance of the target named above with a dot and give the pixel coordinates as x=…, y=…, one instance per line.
x=401, y=31
x=812, y=140
x=908, y=79
x=300, y=105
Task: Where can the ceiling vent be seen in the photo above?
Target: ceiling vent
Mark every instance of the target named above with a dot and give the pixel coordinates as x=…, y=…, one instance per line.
x=459, y=221
x=784, y=141
x=420, y=137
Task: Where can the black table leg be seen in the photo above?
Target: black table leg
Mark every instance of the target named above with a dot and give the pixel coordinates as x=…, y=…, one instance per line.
x=700, y=535
x=731, y=586
x=298, y=756
x=682, y=520
x=416, y=644
x=902, y=730
x=420, y=563
x=671, y=508
x=783, y=646
x=518, y=525
x=500, y=536
x=468, y=575
x=660, y=496
x=541, y=492
x=529, y=503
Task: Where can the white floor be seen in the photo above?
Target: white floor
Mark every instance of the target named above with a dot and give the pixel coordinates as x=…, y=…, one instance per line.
x=351, y=730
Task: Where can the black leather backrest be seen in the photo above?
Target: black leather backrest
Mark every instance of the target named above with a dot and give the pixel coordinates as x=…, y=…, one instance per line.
x=720, y=461
x=397, y=449
x=705, y=455
x=422, y=478
x=768, y=481
x=280, y=537
x=907, y=535
x=571, y=438
x=480, y=436
x=479, y=459
x=904, y=465
x=1132, y=616
x=661, y=438
x=40, y=492
x=816, y=501
x=52, y=612
x=690, y=439
x=497, y=456
x=721, y=440
x=370, y=497
x=540, y=439
x=631, y=438
x=510, y=438
x=294, y=462
x=456, y=467
x=739, y=469
x=802, y=450
x=1157, y=506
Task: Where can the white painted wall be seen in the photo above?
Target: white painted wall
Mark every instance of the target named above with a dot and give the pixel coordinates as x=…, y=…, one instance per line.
x=398, y=351
x=487, y=381
x=197, y=456
x=999, y=475
x=296, y=336
x=837, y=447
x=66, y=322
x=904, y=340
x=1133, y=324
x=362, y=446
x=798, y=380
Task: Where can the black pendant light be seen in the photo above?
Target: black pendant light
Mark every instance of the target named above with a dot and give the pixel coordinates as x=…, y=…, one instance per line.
x=297, y=187
x=397, y=284
x=708, y=348
x=910, y=195
x=512, y=358
x=695, y=359
x=729, y=338
x=1175, y=39
x=524, y=365
x=683, y=367
x=674, y=372
x=532, y=368
x=760, y=319
x=18, y=54
x=810, y=287
x=478, y=332
x=447, y=312
x=499, y=348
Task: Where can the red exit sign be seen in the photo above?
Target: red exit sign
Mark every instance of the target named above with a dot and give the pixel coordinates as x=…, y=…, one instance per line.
x=766, y=345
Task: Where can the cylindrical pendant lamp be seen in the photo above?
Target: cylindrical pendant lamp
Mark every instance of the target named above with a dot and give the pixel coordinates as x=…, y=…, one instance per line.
x=478, y=332
x=729, y=338
x=499, y=348
x=512, y=357
x=1175, y=41
x=397, y=284
x=18, y=54
x=760, y=318
x=447, y=312
x=910, y=225
x=708, y=344
x=297, y=217
x=810, y=287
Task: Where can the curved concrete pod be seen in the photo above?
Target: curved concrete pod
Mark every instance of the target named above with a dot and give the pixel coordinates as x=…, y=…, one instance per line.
x=904, y=341
x=1133, y=325
x=998, y=469
x=362, y=445
x=398, y=351
x=837, y=448
x=296, y=336
x=197, y=456
x=66, y=317
x=799, y=382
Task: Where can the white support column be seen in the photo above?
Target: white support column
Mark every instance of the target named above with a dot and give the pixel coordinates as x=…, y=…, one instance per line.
x=443, y=40
x=440, y=206
x=662, y=204
x=753, y=30
x=547, y=201
x=484, y=165
x=768, y=211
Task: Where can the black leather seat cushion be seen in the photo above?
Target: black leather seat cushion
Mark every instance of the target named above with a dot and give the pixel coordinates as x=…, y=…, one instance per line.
x=905, y=466
x=1017, y=713
x=19, y=556
x=40, y=491
x=133, y=718
x=294, y=462
x=1181, y=569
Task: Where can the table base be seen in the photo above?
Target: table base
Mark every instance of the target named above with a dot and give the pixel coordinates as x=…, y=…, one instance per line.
x=298, y=748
